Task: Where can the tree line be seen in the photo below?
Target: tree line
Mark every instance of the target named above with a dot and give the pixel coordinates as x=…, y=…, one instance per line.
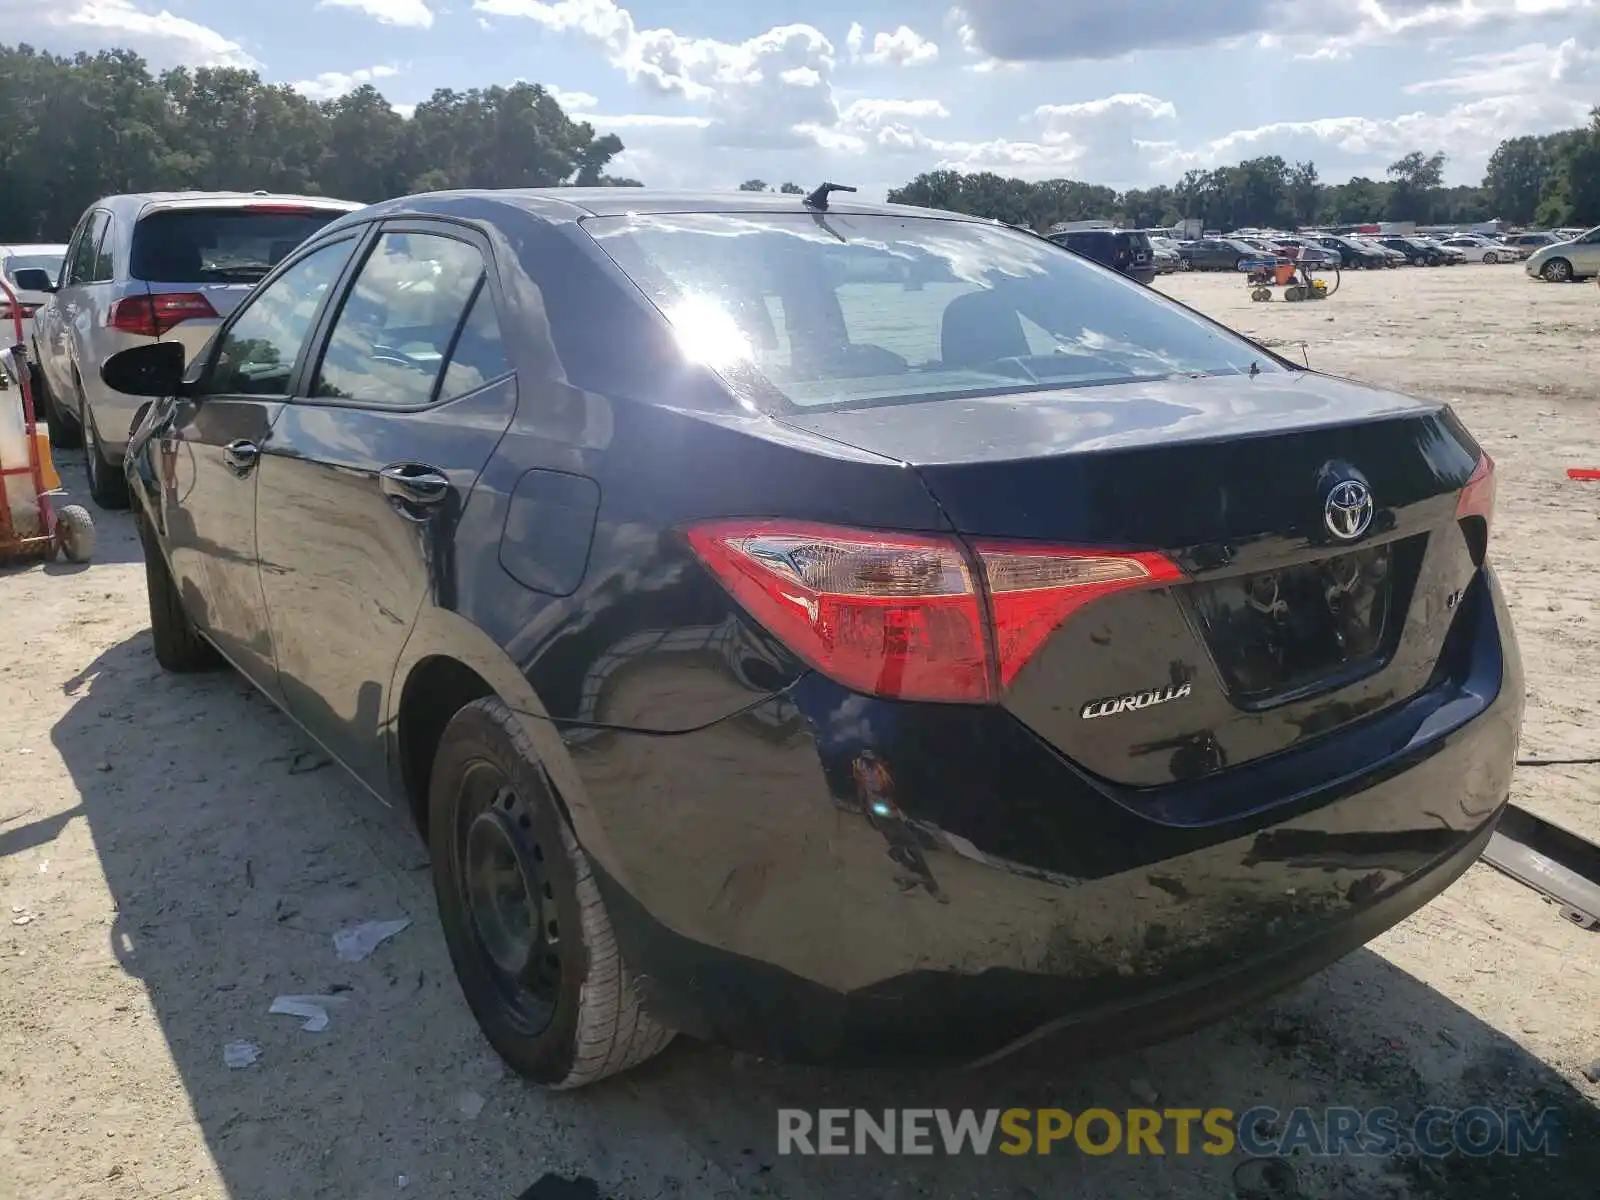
x=1547, y=181
x=75, y=128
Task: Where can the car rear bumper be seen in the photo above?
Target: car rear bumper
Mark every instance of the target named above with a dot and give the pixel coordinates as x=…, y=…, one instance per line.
x=826, y=878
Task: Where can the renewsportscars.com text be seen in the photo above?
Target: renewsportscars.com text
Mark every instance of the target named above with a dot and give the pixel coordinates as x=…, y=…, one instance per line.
x=1433, y=1132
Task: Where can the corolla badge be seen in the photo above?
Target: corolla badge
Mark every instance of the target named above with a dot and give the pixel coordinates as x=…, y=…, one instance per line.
x=1347, y=511
x=1110, y=706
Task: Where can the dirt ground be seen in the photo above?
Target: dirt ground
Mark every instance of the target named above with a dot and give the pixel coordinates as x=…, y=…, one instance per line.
x=172, y=858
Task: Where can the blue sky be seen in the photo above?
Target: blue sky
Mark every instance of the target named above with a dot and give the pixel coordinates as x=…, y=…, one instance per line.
x=1126, y=93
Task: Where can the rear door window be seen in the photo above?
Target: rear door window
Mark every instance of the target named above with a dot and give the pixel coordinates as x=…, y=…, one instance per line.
x=479, y=356
x=400, y=319
x=221, y=245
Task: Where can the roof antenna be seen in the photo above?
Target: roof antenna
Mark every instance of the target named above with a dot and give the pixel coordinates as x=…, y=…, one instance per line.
x=819, y=198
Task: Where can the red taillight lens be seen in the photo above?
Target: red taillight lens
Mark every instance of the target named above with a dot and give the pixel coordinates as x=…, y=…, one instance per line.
x=1477, y=500
x=152, y=316
x=1033, y=591
x=884, y=613
x=902, y=615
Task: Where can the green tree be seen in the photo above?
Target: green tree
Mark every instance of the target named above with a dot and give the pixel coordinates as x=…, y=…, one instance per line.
x=792, y=189
x=754, y=185
x=1416, y=178
x=74, y=129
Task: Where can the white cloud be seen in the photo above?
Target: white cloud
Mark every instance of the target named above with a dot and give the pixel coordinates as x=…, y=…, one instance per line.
x=1571, y=68
x=603, y=121
x=572, y=100
x=1467, y=133
x=903, y=48
x=330, y=85
x=1101, y=141
x=767, y=92
x=1025, y=30
x=414, y=13
x=161, y=36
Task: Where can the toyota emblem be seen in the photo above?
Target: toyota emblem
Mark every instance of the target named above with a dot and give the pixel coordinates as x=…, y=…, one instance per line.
x=1348, y=510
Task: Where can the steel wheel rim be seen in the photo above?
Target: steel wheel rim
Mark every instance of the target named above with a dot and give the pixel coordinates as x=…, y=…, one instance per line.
x=509, y=898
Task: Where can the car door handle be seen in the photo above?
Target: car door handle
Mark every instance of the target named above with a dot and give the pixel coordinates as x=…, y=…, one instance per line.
x=409, y=483
x=241, y=456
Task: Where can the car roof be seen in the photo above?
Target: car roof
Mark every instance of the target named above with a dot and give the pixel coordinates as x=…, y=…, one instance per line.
x=577, y=202
x=140, y=202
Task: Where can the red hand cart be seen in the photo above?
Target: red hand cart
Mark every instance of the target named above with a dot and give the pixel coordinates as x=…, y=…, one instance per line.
x=30, y=526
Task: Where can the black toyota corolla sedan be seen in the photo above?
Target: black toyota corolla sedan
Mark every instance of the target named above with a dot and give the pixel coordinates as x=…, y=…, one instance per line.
x=843, y=631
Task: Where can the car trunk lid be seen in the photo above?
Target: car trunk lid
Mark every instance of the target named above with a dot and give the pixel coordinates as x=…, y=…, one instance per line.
x=1282, y=628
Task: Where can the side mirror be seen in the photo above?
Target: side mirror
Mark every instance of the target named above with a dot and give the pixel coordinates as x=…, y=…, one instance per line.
x=34, y=279
x=154, y=369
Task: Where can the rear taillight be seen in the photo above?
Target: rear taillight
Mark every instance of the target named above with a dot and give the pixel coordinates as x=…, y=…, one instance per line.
x=904, y=615
x=1032, y=591
x=27, y=310
x=1477, y=500
x=152, y=316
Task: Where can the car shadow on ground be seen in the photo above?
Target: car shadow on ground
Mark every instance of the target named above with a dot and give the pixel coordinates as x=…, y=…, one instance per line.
x=233, y=851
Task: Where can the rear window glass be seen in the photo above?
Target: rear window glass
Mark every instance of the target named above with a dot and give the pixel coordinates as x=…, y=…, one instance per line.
x=37, y=262
x=230, y=245
x=858, y=310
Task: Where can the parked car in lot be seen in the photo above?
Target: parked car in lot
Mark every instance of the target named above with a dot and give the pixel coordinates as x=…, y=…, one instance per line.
x=1422, y=252
x=1217, y=254
x=1564, y=261
x=1125, y=250
x=1310, y=252
x=161, y=266
x=1164, y=253
x=814, y=627
x=1482, y=250
x=1353, y=253
x=31, y=271
x=1393, y=258
x=1529, y=243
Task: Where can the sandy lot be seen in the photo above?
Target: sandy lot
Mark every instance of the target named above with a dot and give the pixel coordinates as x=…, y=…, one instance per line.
x=172, y=858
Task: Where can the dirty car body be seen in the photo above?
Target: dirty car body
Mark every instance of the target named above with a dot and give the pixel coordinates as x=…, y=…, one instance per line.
x=933, y=641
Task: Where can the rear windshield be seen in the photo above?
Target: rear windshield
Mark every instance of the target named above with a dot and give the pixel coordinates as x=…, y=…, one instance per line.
x=861, y=310
x=226, y=245
x=24, y=262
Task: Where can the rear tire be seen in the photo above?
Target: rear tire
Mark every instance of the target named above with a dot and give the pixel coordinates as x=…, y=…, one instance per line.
x=1557, y=270
x=108, y=486
x=75, y=533
x=537, y=959
x=1491, y=257
x=64, y=432
x=178, y=644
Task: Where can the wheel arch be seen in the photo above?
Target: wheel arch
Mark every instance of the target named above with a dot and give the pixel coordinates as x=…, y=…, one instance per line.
x=447, y=663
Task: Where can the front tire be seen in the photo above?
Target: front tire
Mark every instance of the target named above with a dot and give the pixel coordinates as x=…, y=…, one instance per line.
x=1491, y=258
x=178, y=644
x=527, y=930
